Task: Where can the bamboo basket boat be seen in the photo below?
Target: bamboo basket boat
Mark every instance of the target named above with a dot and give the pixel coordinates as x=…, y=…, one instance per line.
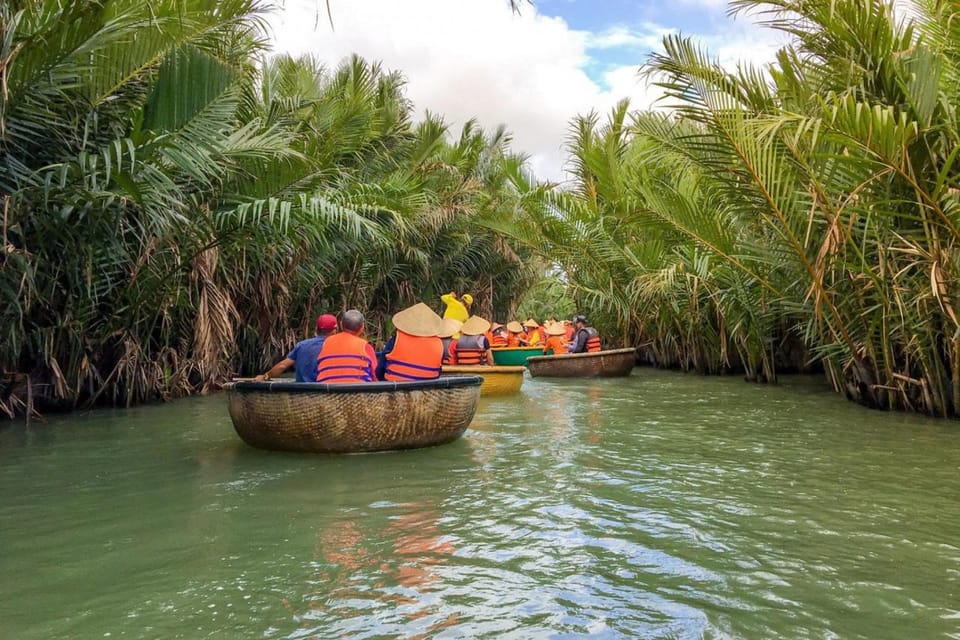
x=497, y=381
x=352, y=418
x=514, y=356
x=602, y=364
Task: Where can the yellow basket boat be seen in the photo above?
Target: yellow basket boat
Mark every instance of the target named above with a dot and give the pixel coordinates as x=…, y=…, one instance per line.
x=497, y=381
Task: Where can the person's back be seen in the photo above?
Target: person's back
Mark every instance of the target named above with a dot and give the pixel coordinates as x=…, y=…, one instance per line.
x=586, y=340
x=345, y=356
x=304, y=355
x=414, y=358
x=473, y=348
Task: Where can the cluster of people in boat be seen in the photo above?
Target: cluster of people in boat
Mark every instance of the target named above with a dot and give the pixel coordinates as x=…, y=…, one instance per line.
x=422, y=343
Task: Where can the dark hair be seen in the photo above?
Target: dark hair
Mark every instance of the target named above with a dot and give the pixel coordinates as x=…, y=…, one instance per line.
x=351, y=320
x=577, y=319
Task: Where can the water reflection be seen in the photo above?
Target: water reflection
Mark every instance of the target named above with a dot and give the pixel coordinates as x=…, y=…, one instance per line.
x=392, y=567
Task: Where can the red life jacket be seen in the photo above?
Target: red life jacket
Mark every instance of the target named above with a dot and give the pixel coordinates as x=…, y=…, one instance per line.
x=472, y=350
x=414, y=358
x=345, y=358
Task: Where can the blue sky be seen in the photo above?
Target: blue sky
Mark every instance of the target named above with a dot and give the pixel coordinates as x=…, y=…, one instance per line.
x=533, y=72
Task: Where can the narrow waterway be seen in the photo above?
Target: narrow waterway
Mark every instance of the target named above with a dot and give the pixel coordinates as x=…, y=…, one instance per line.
x=658, y=506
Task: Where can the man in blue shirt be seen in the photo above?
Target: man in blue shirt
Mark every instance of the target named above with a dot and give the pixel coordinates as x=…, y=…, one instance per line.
x=304, y=354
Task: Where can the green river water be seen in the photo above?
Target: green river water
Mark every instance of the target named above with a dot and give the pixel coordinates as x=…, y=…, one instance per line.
x=657, y=506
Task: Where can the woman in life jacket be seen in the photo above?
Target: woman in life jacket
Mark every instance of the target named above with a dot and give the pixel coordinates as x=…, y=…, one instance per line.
x=473, y=348
x=498, y=336
x=417, y=352
x=516, y=337
x=447, y=331
x=586, y=339
x=556, y=342
x=534, y=336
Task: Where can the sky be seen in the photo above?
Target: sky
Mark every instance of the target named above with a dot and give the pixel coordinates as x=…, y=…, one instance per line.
x=532, y=72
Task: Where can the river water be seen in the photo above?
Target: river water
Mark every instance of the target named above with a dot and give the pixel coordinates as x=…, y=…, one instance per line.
x=657, y=506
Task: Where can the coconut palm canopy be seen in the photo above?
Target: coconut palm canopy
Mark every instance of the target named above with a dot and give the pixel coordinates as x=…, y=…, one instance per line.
x=179, y=205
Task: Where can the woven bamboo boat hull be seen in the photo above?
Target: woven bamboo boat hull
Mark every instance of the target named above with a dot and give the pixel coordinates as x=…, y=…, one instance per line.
x=352, y=418
x=514, y=356
x=601, y=364
x=497, y=381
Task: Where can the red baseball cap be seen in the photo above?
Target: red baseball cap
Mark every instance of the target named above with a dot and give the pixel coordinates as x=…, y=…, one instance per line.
x=326, y=322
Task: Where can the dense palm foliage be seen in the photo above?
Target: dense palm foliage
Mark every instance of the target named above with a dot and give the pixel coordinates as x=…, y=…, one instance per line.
x=804, y=214
x=178, y=206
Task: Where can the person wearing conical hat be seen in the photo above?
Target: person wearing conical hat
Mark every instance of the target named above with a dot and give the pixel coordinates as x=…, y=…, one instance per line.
x=498, y=336
x=447, y=331
x=556, y=342
x=457, y=308
x=417, y=351
x=515, y=336
x=534, y=335
x=473, y=348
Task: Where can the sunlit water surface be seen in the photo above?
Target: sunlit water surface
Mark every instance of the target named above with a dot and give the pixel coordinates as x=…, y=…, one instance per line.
x=658, y=506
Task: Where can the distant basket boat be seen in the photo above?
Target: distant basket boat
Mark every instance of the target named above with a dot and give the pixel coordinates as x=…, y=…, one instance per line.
x=497, y=381
x=352, y=418
x=602, y=364
x=514, y=356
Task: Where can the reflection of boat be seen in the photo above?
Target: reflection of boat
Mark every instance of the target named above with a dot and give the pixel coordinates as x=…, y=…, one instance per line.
x=350, y=418
x=603, y=364
x=514, y=356
x=497, y=381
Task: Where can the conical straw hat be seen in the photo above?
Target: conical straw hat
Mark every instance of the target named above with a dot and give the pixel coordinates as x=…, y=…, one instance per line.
x=555, y=329
x=495, y=325
x=449, y=327
x=474, y=326
x=418, y=320
x=515, y=327
x=531, y=323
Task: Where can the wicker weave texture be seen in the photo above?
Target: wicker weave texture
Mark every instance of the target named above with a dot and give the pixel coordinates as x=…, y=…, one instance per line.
x=497, y=381
x=351, y=422
x=602, y=364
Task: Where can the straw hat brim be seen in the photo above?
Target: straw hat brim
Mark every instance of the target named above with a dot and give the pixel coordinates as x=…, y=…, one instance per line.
x=475, y=326
x=419, y=320
x=448, y=327
x=531, y=323
x=515, y=327
x=555, y=330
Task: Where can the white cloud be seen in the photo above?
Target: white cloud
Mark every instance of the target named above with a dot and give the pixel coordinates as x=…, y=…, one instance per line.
x=477, y=58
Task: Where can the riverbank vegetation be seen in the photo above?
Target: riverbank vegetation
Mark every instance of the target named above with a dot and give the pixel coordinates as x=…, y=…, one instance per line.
x=800, y=216
x=178, y=206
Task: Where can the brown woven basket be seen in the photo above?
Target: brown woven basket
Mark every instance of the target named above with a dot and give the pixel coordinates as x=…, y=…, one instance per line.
x=602, y=364
x=352, y=418
x=497, y=381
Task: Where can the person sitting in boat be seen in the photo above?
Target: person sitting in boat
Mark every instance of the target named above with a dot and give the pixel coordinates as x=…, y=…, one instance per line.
x=473, y=348
x=568, y=330
x=447, y=331
x=586, y=339
x=556, y=342
x=534, y=337
x=346, y=356
x=457, y=308
x=304, y=354
x=417, y=351
x=515, y=336
x=498, y=336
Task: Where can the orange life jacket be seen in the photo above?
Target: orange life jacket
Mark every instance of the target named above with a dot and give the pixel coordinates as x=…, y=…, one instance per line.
x=345, y=358
x=499, y=340
x=555, y=345
x=472, y=350
x=414, y=358
x=570, y=330
x=513, y=339
x=593, y=340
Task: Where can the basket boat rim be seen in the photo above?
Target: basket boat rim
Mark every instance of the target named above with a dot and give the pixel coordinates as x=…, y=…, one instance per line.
x=580, y=356
x=324, y=388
